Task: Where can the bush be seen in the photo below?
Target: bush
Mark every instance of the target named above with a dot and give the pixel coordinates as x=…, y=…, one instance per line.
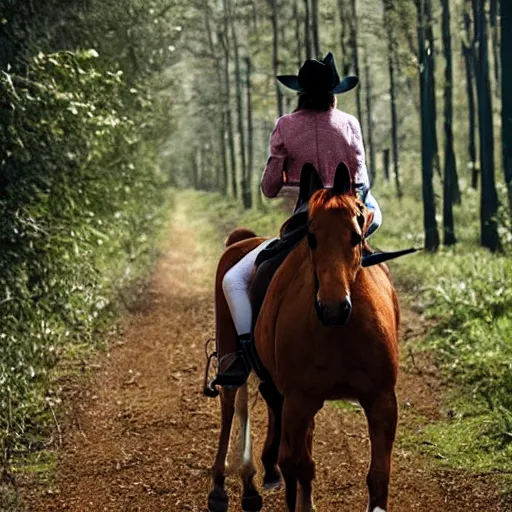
x=79, y=194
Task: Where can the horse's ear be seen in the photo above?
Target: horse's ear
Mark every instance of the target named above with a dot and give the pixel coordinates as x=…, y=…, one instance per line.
x=310, y=182
x=342, y=180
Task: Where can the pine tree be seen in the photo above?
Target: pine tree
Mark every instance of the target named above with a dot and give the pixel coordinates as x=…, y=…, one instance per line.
x=506, y=94
x=427, y=128
x=450, y=163
x=488, y=195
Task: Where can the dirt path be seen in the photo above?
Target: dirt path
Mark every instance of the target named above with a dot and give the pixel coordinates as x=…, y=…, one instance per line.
x=141, y=436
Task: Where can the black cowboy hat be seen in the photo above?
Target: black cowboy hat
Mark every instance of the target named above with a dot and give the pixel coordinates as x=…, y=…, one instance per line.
x=319, y=76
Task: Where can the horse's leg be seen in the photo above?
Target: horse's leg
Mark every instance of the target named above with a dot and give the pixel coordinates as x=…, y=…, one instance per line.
x=306, y=473
x=218, y=498
x=287, y=464
x=295, y=455
x=274, y=400
x=381, y=412
x=251, y=499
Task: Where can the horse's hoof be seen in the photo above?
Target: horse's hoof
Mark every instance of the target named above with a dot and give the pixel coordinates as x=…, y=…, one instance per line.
x=252, y=503
x=272, y=486
x=272, y=479
x=217, y=500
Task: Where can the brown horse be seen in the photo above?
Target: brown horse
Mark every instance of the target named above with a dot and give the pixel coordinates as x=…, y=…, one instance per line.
x=327, y=330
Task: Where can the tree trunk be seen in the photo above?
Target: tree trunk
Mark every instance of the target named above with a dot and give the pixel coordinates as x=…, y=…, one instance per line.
x=239, y=106
x=284, y=24
x=195, y=168
x=489, y=197
x=274, y=4
x=250, y=136
x=385, y=163
x=468, y=53
x=369, y=119
x=506, y=94
x=355, y=53
x=429, y=32
x=262, y=150
x=404, y=25
x=314, y=21
x=218, y=175
x=298, y=38
x=344, y=38
x=202, y=167
x=223, y=175
x=255, y=22
x=450, y=189
x=307, y=29
x=427, y=120
x=389, y=23
x=223, y=154
x=224, y=38
x=493, y=18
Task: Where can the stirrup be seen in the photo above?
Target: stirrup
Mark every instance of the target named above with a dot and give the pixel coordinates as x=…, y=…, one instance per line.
x=210, y=386
x=210, y=390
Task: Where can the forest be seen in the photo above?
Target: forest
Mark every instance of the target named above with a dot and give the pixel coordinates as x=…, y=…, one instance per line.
x=440, y=67
x=110, y=111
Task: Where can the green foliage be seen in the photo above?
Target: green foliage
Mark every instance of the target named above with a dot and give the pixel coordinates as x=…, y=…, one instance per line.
x=79, y=195
x=474, y=439
x=133, y=35
x=465, y=291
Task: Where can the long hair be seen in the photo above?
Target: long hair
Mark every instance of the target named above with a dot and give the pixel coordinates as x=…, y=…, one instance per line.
x=316, y=101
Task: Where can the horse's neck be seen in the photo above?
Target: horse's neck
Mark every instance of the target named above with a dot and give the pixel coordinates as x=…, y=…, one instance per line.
x=297, y=268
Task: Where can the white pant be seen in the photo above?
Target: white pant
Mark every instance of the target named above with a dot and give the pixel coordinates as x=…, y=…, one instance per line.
x=236, y=289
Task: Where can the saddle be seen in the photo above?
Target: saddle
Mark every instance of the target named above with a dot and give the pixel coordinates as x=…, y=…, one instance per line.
x=267, y=263
x=292, y=232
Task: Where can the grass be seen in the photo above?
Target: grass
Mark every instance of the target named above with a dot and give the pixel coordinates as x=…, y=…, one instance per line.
x=464, y=292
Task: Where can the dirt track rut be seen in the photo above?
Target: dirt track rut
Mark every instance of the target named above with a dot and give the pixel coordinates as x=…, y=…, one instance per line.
x=142, y=438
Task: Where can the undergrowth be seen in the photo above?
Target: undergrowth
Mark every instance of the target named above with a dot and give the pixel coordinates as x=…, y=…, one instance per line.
x=81, y=201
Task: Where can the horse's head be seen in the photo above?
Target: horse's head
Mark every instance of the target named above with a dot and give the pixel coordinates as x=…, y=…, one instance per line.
x=337, y=223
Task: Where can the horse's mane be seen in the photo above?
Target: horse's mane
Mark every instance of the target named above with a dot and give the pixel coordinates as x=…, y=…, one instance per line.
x=325, y=200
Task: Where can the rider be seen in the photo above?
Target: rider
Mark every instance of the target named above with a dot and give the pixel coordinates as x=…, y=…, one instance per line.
x=318, y=133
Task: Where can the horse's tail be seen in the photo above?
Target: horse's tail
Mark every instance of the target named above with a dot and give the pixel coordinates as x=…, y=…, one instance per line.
x=242, y=447
x=238, y=235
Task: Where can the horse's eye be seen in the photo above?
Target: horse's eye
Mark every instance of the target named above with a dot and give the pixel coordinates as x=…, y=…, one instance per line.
x=360, y=220
x=356, y=238
x=312, y=241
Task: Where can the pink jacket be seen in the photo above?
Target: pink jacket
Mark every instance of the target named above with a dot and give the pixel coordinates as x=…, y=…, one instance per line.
x=322, y=138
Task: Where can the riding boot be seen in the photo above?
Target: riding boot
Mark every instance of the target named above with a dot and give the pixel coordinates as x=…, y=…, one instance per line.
x=233, y=367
